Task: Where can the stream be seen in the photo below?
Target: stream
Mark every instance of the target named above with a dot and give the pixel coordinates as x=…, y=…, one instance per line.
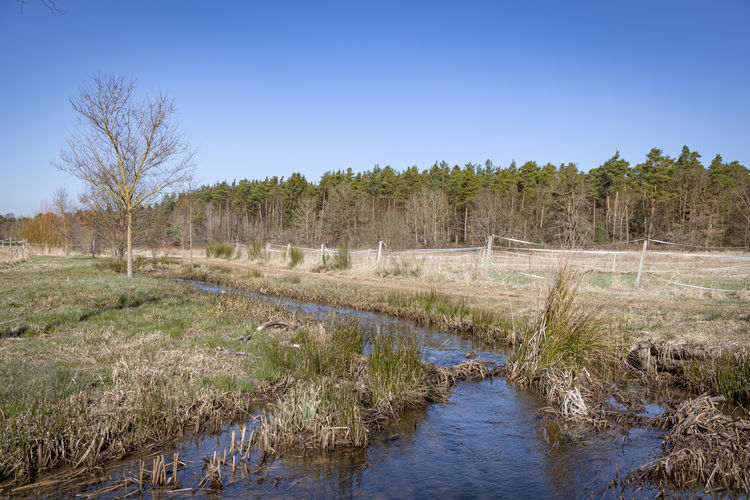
x=487, y=442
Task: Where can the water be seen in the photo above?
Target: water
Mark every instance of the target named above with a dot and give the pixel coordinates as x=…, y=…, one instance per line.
x=488, y=441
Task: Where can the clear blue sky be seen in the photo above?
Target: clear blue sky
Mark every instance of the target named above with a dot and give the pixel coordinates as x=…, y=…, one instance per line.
x=269, y=88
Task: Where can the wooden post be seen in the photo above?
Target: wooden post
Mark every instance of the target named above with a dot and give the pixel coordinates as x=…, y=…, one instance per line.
x=288, y=251
x=640, y=264
x=380, y=251
x=487, y=255
x=322, y=253
x=11, y=247
x=93, y=247
x=614, y=260
x=190, y=237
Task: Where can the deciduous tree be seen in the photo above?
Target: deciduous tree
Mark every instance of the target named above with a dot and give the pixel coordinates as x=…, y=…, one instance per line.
x=129, y=149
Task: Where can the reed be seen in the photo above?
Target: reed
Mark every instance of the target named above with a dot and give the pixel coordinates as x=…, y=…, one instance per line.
x=219, y=250
x=296, y=256
x=564, y=339
x=342, y=259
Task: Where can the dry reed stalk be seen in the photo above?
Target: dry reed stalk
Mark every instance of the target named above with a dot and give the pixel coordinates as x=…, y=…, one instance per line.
x=703, y=449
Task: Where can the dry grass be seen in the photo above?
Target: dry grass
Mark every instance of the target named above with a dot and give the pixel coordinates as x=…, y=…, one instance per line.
x=99, y=366
x=565, y=341
x=703, y=450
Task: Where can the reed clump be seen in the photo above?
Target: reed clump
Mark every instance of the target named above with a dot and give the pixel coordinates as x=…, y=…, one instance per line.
x=342, y=259
x=728, y=376
x=345, y=384
x=401, y=266
x=219, y=250
x=296, y=256
x=564, y=342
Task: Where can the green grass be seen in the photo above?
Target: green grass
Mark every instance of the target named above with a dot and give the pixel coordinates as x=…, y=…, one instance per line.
x=341, y=259
x=723, y=376
x=219, y=250
x=401, y=266
x=296, y=256
x=94, y=366
x=254, y=250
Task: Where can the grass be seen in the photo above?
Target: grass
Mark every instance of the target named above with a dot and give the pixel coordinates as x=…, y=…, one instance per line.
x=724, y=376
x=100, y=363
x=98, y=366
x=431, y=308
x=255, y=251
x=219, y=250
x=400, y=266
x=563, y=340
x=296, y=256
x=343, y=394
x=342, y=259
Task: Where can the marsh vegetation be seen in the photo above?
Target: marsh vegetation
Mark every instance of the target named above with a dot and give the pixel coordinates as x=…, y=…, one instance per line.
x=131, y=364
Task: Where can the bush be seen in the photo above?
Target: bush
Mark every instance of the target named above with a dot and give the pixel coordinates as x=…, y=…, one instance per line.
x=219, y=250
x=296, y=255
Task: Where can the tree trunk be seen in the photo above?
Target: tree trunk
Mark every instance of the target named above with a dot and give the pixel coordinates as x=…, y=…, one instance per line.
x=130, y=244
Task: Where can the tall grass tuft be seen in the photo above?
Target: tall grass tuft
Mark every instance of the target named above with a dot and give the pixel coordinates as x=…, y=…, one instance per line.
x=219, y=250
x=397, y=376
x=254, y=250
x=296, y=255
x=341, y=259
x=564, y=339
x=729, y=377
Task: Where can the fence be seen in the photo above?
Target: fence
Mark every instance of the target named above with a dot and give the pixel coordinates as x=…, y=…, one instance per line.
x=643, y=264
x=14, y=250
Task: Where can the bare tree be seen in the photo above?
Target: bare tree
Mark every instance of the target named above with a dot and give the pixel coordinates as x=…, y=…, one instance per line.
x=130, y=150
x=50, y=4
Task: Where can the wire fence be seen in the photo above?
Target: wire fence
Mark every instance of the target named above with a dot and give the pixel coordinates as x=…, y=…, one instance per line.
x=14, y=250
x=642, y=264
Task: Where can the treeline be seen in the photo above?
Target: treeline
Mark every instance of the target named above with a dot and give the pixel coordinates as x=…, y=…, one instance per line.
x=679, y=199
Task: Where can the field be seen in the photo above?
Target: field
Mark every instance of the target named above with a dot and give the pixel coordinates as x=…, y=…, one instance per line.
x=682, y=297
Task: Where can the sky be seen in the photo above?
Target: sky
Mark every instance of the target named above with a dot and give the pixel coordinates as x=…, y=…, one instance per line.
x=270, y=88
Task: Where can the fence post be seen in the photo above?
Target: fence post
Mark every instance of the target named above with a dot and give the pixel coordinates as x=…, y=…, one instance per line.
x=10, y=240
x=614, y=261
x=487, y=255
x=380, y=251
x=640, y=264
x=322, y=253
x=288, y=251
